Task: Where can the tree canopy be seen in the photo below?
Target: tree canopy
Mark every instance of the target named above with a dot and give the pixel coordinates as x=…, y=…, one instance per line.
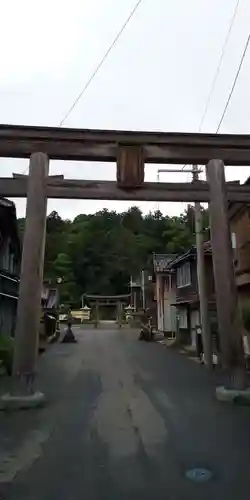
x=99, y=253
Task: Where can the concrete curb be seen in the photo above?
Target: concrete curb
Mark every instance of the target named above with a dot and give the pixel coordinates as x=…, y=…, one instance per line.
x=9, y=402
x=233, y=395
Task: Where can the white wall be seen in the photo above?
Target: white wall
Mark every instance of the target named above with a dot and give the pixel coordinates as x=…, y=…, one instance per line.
x=170, y=311
x=166, y=314
x=194, y=320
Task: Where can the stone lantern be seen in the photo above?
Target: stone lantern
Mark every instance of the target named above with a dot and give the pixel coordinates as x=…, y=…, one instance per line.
x=86, y=311
x=128, y=313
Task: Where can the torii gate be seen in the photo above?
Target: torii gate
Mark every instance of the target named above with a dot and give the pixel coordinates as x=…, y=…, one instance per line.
x=130, y=150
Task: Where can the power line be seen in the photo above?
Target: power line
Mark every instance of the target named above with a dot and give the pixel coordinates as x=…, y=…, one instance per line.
x=234, y=84
x=99, y=65
x=217, y=71
x=219, y=65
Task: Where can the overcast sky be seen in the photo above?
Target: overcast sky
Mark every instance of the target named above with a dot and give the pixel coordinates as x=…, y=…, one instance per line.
x=158, y=76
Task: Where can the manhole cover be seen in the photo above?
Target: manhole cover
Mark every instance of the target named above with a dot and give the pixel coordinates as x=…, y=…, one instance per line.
x=199, y=475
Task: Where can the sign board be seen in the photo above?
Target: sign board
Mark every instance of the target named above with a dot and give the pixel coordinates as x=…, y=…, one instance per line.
x=162, y=261
x=81, y=314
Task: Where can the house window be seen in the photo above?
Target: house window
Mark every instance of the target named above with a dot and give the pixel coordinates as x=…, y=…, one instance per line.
x=184, y=275
x=182, y=315
x=234, y=241
x=234, y=247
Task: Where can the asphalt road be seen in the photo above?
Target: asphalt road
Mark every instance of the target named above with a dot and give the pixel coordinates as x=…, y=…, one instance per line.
x=126, y=420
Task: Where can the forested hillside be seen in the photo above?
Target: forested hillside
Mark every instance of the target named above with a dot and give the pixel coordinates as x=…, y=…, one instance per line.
x=98, y=253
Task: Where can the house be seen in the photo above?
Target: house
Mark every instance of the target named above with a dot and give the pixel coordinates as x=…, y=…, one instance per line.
x=185, y=282
x=164, y=293
x=136, y=293
x=178, y=297
x=239, y=222
x=141, y=290
x=49, y=296
x=10, y=262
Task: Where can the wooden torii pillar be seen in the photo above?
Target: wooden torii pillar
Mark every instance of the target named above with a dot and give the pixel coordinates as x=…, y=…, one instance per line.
x=229, y=320
x=29, y=303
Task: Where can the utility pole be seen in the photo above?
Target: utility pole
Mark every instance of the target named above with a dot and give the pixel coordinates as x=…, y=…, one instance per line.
x=131, y=291
x=143, y=289
x=229, y=321
x=201, y=276
x=29, y=303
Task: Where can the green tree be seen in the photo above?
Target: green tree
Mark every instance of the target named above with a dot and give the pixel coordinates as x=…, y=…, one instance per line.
x=98, y=253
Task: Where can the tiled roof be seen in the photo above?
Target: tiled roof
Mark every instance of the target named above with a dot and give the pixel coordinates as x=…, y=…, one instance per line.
x=6, y=203
x=190, y=254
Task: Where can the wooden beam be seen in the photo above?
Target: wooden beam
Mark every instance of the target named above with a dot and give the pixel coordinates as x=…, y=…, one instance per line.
x=18, y=176
x=103, y=145
x=130, y=166
x=195, y=155
x=108, y=190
